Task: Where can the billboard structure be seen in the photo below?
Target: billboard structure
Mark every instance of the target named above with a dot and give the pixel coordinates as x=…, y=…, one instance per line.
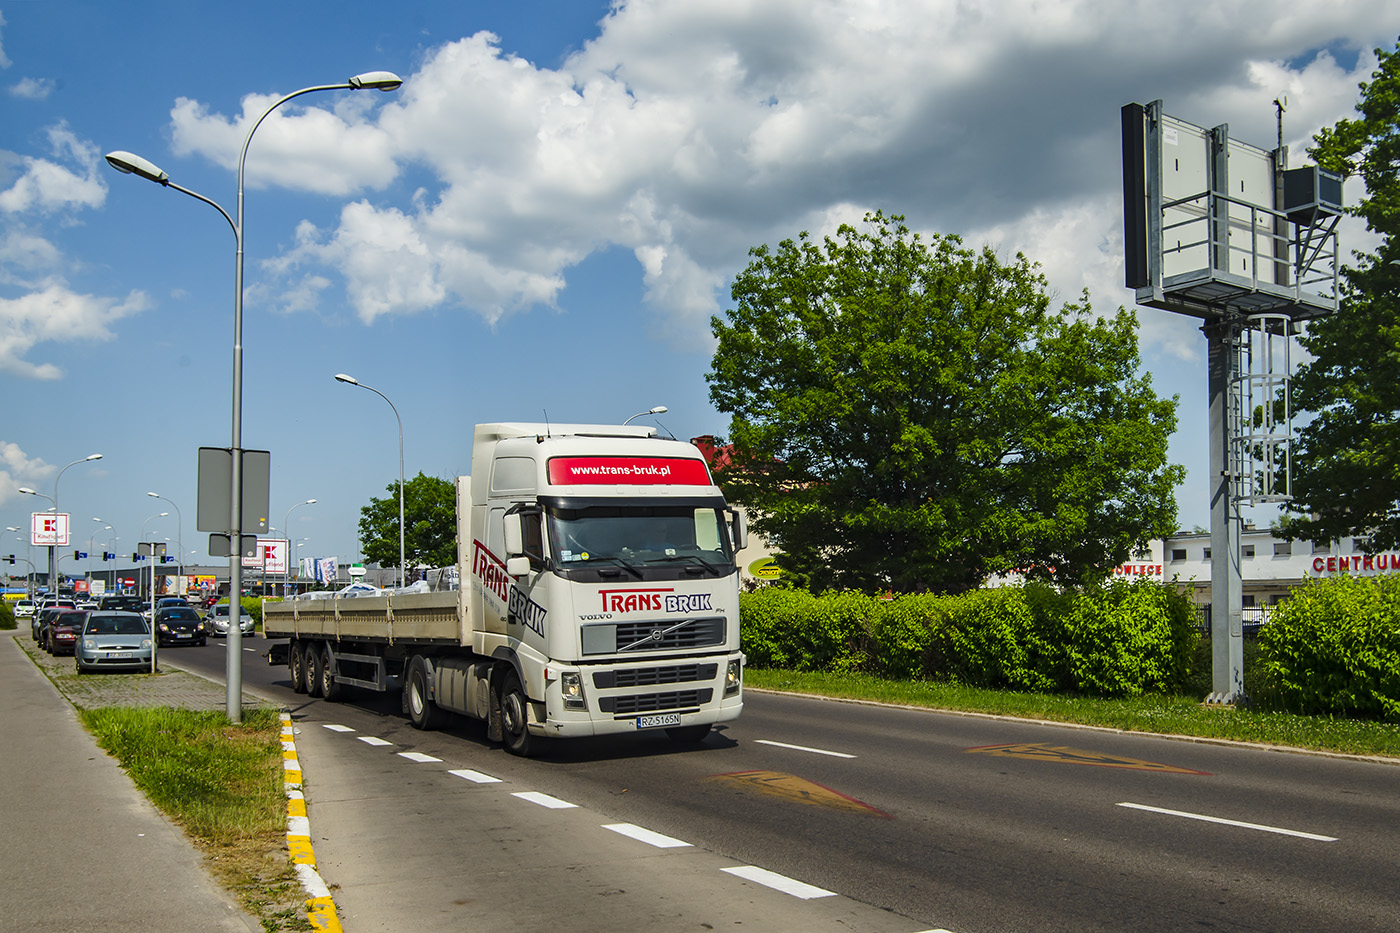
x=1224, y=231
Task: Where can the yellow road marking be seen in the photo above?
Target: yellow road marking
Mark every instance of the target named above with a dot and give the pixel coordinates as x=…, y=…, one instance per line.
x=799, y=790
x=1076, y=756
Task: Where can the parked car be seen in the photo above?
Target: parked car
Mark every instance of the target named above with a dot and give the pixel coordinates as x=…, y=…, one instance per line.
x=41, y=618
x=218, y=621
x=120, y=603
x=61, y=635
x=113, y=641
x=25, y=608
x=179, y=625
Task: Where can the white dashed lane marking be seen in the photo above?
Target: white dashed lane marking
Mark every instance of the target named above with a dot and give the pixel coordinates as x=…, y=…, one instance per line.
x=475, y=776
x=803, y=748
x=418, y=757
x=336, y=728
x=779, y=882
x=1225, y=822
x=632, y=831
x=544, y=800
x=371, y=740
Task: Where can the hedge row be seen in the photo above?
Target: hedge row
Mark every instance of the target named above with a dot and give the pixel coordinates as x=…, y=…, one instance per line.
x=1333, y=648
x=1124, y=639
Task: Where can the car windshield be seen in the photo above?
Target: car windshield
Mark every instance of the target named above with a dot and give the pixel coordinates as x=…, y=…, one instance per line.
x=638, y=535
x=115, y=625
x=179, y=615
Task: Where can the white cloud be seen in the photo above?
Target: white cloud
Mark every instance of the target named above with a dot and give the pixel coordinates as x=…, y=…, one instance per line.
x=48, y=186
x=299, y=145
x=32, y=88
x=17, y=469
x=55, y=313
x=689, y=131
x=4, y=62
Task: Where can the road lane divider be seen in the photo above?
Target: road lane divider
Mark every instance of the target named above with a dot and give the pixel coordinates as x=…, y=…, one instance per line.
x=320, y=908
x=373, y=740
x=803, y=748
x=779, y=882
x=544, y=800
x=476, y=777
x=1224, y=822
x=418, y=757
x=632, y=831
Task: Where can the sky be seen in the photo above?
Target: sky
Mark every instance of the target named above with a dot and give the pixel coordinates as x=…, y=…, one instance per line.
x=540, y=222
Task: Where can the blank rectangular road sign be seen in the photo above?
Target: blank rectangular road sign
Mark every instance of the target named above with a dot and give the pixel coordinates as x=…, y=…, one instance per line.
x=215, y=488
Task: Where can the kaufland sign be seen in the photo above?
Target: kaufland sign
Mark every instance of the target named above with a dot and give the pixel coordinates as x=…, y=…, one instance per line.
x=47, y=529
x=271, y=556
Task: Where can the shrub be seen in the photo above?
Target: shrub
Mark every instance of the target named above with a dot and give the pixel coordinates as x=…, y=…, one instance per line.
x=7, y=615
x=1333, y=647
x=1127, y=639
x=794, y=630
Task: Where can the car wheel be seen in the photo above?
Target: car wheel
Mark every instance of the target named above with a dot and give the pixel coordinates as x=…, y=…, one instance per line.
x=422, y=712
x=295, y=660
x=515, y=714
x=330, y=687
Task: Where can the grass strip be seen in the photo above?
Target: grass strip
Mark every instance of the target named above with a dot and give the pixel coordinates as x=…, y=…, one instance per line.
x=223, y=784
x=1161, y=715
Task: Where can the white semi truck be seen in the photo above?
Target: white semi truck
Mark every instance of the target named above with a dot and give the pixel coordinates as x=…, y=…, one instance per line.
x=598, y=594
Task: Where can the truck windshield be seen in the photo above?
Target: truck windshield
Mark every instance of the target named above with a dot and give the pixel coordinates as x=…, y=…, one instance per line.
x=639, y=538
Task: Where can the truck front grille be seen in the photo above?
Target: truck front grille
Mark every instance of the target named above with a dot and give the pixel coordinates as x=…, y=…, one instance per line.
x=649, y=676
x=644, y=637
x=654, y=702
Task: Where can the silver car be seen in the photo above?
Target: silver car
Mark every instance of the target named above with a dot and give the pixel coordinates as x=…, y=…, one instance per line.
x=218, y=619
x=113, y=641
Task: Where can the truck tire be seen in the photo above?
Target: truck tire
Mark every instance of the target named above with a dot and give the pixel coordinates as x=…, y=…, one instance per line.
x=295, y=663
x=422, y=712
x=330, y=687
x=688, y=735
x=515, y=715
x=311, y=665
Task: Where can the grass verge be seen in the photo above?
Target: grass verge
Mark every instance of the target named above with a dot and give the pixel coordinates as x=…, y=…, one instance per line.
x=222, y=784
x=1153, y=714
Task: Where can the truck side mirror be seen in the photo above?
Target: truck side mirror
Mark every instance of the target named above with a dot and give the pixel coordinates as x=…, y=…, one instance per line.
x=517, y=566
x=515, y=535
x=740, y=530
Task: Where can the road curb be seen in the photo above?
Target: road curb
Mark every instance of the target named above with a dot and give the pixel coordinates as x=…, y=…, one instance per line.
x=320, y=908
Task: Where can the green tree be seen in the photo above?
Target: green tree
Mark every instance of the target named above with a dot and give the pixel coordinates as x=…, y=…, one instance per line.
x=911, y=415
x=1346, y=458
x=430, y=524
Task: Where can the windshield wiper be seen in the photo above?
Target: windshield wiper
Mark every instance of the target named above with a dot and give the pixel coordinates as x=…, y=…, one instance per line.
x=583, y=565
x=713, y=568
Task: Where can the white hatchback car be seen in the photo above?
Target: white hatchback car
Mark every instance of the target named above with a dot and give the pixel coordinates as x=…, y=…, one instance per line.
x=218, y=619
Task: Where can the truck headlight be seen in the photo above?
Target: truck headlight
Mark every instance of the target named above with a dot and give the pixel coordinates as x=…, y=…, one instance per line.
x=571, y=685
x=732, y=679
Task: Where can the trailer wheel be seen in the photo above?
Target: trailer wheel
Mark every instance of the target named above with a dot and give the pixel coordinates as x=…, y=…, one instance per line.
x=422, y=712
x=312, y=666
x=330, y=687
x=296, y=663
x=515, y=712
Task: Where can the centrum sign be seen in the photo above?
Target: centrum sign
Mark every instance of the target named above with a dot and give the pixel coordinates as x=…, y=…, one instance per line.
x=633, y=471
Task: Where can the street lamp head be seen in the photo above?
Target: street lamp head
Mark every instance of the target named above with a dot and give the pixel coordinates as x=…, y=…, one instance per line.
x=376, y=80
x=153, y=495
x=28, y=492
x=93, y=457
x=342, y=377
x=310, y=501
x=129, y=163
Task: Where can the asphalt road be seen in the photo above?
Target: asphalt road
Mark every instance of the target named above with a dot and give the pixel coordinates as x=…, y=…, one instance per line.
x=966, y=824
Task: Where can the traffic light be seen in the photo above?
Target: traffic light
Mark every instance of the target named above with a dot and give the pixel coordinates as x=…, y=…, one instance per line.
x=138, y=557
x=79, y=555
x=10, y=559
x=106, y=555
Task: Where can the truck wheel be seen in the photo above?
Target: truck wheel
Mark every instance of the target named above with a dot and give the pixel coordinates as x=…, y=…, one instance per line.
x=312, y=665
x=688, y=735
x=295, y=662
x=330, y=687
x=515, y=712
x=422, y=712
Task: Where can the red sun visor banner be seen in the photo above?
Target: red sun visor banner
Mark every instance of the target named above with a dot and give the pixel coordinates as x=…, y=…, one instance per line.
x=631, y=471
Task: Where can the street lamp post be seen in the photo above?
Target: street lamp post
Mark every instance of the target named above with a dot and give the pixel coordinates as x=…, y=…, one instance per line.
x=28, y=491
x=135, y=165
x=179, y=534
x=287, y=529
x=53, y=549
x=351, y=380
x=658, y=410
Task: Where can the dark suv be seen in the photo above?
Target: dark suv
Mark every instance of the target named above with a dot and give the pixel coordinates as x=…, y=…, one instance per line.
x=180, y=625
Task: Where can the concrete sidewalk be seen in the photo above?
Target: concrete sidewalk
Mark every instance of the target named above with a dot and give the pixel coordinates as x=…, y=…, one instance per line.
x=84, y=849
